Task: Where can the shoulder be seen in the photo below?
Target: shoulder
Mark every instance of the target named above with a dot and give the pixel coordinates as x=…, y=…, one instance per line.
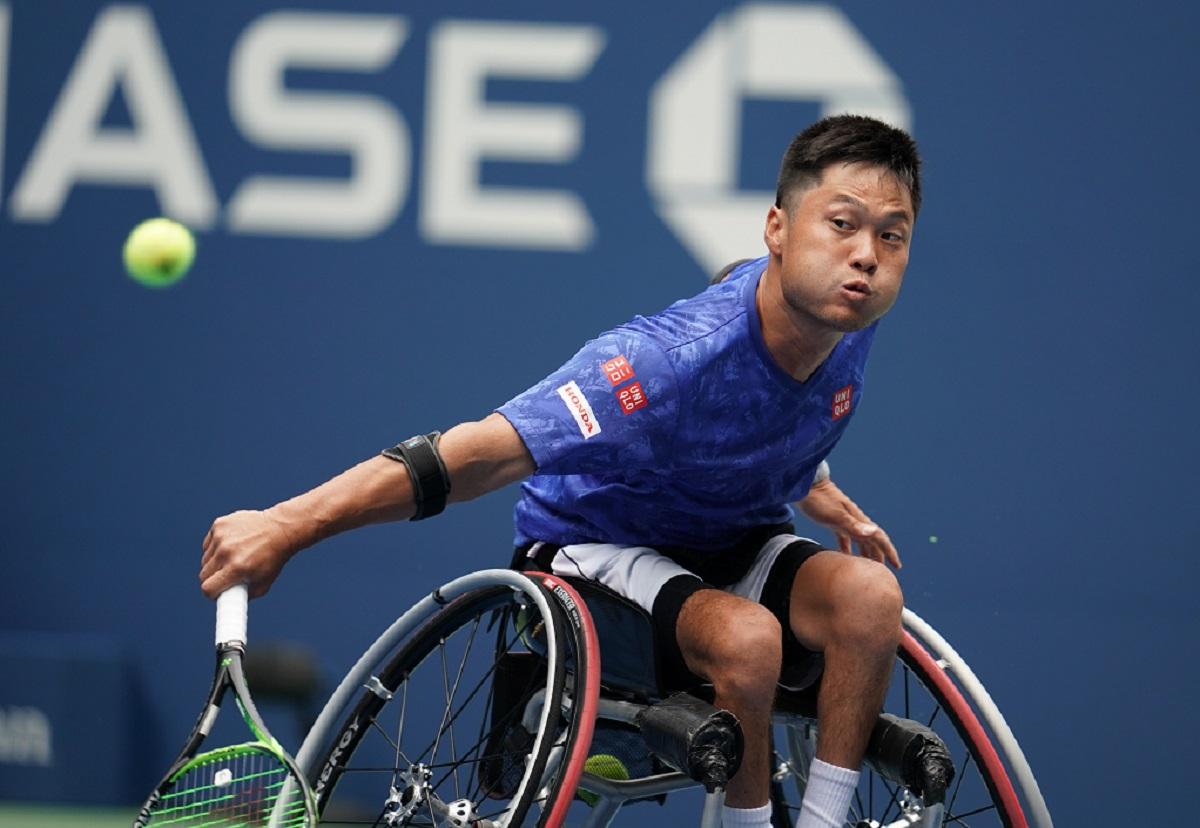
x=713, y=314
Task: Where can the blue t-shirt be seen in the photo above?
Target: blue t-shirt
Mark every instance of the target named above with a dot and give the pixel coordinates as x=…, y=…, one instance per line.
x=679, y=429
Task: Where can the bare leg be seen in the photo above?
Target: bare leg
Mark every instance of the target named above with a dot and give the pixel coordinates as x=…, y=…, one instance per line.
x=736, y=644
x=849, y=608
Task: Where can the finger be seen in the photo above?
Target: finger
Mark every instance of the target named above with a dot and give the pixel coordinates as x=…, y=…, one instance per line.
x=209, y=546
x=863, y=534
x=216, y=583
x=219, y=559
x=844, y=543
x=208, y=569
x=893, y=556
x=869, y=550
x=886, y=549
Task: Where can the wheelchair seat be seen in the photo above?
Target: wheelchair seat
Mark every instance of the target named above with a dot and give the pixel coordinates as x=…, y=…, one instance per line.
x=627, y=663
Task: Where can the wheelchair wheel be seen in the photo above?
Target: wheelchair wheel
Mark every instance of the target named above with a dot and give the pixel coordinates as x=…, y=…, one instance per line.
x=981, y=794
x=473, y=713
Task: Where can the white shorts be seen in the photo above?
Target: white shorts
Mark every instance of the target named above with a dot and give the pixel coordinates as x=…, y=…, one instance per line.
x=660, y=580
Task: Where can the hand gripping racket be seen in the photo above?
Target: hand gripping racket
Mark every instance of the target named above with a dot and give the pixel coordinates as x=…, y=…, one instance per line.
x=255, y=783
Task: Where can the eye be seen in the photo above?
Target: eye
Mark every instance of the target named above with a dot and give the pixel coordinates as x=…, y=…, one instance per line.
x=893, y=237
x=841, y=224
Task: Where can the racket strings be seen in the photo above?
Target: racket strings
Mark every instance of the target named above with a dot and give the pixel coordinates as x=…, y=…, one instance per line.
x=242, y=786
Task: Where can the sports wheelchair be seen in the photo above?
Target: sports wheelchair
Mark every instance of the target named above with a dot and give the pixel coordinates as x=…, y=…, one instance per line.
x=487, y=705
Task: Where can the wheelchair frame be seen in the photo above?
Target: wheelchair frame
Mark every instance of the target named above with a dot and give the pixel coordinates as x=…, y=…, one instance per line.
x=559, y=762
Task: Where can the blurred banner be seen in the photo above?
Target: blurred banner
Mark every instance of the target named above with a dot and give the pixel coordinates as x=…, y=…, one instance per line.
x=69, y=720
x=315, y=85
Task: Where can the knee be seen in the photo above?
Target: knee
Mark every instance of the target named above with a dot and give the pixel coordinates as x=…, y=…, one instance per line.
x=868, y=603
x=746, y=657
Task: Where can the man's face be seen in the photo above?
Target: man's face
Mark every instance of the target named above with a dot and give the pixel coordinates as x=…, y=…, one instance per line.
x=842, y=245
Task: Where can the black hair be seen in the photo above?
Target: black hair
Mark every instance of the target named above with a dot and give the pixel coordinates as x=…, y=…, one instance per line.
x=849, y=139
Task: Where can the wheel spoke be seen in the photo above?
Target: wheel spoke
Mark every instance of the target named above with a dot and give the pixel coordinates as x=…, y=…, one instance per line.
x=907, y=701
x=962, y=774
x=476, y=786
x=893, y=799
x=400, y=725
x=450, y=692
x=871, y=794
x=959, y=817
x=375, y=724
x=859, y=804
x=437, y=739
x=429, y=805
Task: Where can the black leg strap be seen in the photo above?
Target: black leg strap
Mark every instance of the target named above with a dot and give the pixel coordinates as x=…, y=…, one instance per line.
x=430, y=481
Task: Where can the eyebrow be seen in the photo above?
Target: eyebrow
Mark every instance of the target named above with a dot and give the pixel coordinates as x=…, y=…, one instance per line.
x=845, y=198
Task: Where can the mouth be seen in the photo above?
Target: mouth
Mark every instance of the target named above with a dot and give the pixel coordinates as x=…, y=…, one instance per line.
x=857, y=288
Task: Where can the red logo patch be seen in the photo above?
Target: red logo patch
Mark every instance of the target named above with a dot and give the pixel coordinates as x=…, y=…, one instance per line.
x=842, y=400
x=632, y=398
x=617, y=370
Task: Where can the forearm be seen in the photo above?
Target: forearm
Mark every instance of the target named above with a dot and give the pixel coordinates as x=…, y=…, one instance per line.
x=374, y=491
x=479, y=456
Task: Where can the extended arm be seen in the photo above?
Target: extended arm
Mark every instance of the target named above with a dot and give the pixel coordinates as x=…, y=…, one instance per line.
x=253, y=546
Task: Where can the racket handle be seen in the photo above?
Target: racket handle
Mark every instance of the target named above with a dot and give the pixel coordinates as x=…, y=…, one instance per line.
x=231, y=615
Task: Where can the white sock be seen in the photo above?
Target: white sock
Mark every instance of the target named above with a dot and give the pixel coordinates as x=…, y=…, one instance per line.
x=827, y=797
x=746, y=817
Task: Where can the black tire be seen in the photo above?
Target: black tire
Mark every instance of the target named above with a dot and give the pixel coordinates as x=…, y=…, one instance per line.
x=981, y=793
x=443, y=725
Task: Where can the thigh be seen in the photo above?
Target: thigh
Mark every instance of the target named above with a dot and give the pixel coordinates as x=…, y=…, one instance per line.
x=835, y=593
x=770, y=581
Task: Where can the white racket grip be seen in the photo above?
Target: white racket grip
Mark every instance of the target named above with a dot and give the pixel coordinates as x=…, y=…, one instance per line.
x=231, y=615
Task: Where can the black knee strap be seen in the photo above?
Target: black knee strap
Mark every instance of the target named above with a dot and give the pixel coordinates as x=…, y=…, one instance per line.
x=426, y=470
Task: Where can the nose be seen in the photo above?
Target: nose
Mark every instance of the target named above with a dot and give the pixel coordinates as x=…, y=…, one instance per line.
x=863, y=257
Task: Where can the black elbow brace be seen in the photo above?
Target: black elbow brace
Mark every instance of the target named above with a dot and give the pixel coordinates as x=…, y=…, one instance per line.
x=426, y=470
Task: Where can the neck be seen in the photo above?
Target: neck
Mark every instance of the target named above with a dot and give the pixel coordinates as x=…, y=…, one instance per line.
x=798, y=342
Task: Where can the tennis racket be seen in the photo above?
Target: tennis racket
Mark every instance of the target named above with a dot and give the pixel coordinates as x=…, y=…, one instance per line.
x=255, y=783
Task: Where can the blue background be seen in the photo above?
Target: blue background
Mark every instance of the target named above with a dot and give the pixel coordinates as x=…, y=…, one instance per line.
x=1029, y=399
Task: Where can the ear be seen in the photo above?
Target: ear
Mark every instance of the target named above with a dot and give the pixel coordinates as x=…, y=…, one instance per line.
x=775, y=233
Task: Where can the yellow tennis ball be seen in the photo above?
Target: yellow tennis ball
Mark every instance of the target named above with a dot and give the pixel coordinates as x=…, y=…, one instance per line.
x=159, y=252
x=606, y=766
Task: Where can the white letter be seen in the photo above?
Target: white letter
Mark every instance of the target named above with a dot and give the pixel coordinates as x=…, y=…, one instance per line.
x=369, y=130
x=766, y=51
x=160, y=151
x=462, y=129
x=25, y=737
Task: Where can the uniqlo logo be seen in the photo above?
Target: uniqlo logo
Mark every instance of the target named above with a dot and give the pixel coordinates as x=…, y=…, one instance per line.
x=842, y=400
x=617, y=370
x=632, y=398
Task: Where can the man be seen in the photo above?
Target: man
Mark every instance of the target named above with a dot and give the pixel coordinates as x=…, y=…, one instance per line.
x=664, y=454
